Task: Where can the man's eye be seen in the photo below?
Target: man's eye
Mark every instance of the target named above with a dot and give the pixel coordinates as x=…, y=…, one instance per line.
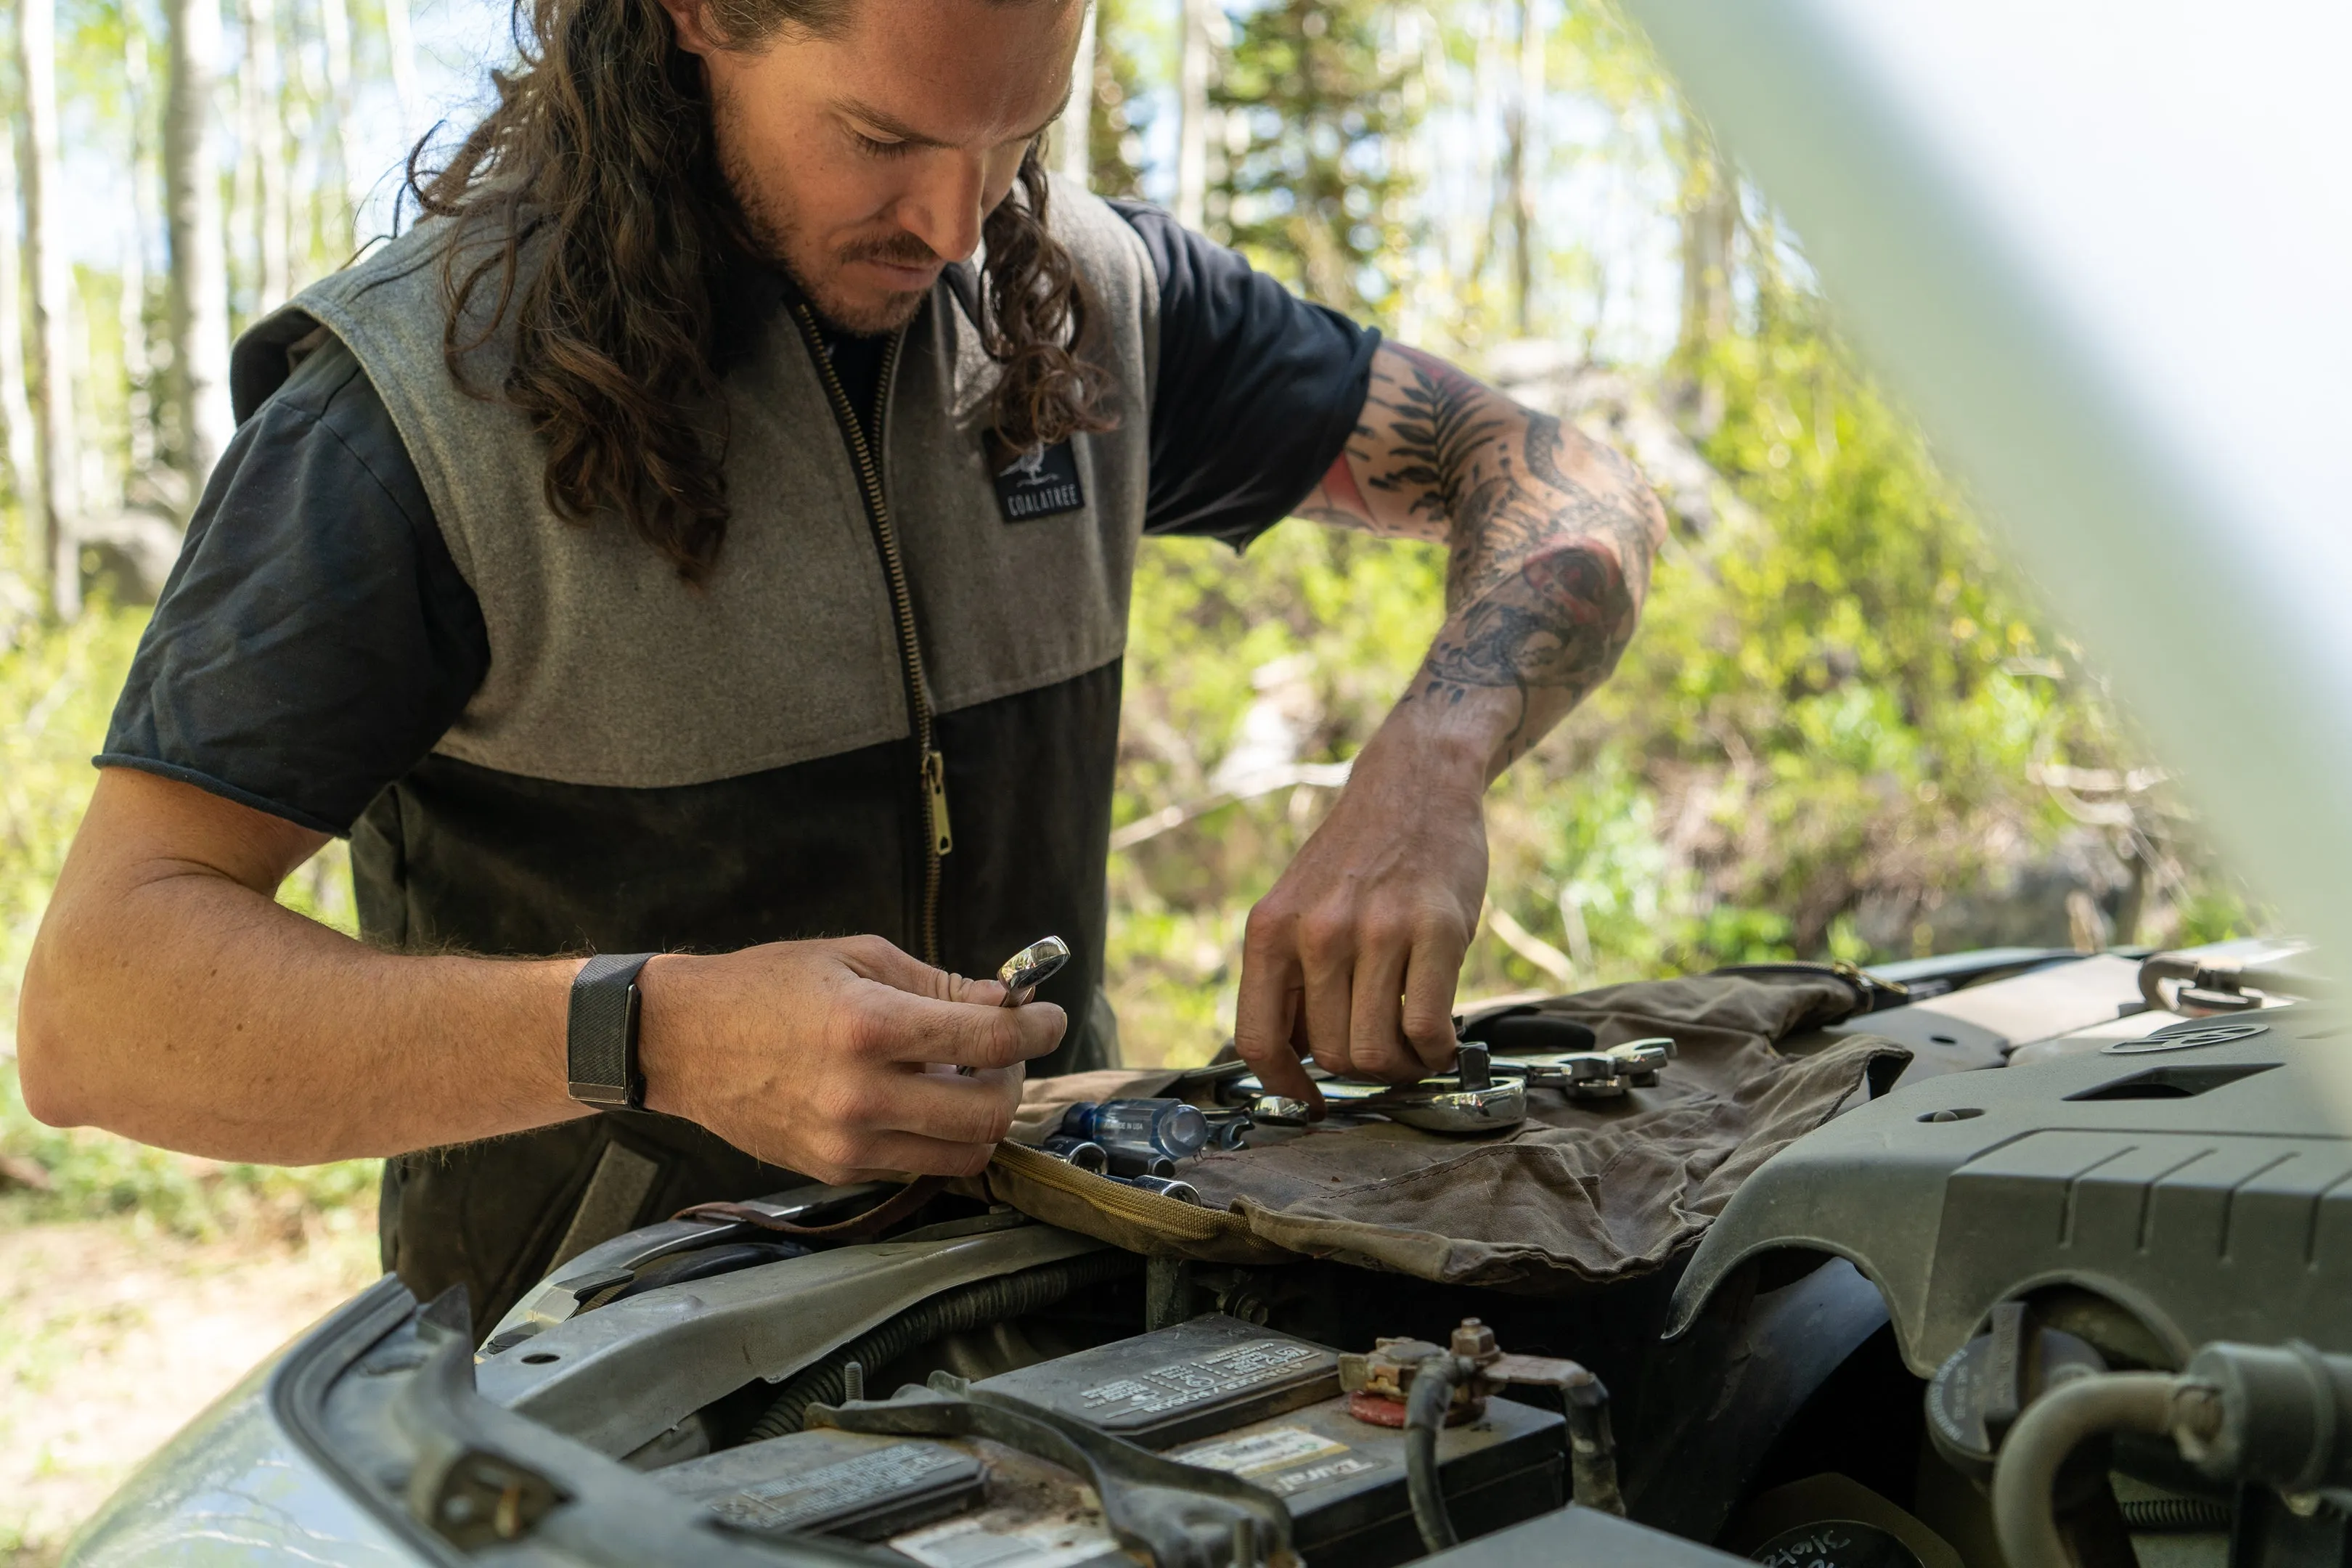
x=873, y=148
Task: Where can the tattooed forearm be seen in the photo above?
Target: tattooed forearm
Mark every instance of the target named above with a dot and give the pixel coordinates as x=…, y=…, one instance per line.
x=1549, y=537
x=1550, y=633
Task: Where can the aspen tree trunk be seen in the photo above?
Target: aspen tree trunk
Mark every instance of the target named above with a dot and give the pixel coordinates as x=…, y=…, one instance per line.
x=56, y=502
x=16, y=401
x=1710, y=216
x=304, y=95
x=259, y=90
x=1078, y=125
x=199, y=274
x=335, y=31
x=400, y=41
x=1192, y=115
x=138, y=361
x=1526, y=166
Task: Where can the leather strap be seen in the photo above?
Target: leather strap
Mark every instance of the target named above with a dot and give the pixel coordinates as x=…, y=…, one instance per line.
x=888, y=1212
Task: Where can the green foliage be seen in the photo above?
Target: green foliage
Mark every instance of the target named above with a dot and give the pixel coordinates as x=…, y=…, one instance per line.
x=58, y=687
x=56, y=692
x=1853, y=675
x=1313, y=190
x=1821, y=744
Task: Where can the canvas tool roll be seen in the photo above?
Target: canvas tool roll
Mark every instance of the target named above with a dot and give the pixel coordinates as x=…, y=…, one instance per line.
x=1583, y=1193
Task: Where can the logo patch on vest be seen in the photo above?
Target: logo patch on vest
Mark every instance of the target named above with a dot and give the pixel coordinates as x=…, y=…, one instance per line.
x=1039, y=484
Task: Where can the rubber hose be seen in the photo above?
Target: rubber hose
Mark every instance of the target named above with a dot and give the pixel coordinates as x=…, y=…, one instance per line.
x=1434, y=1383
x=2053, y=1428
x=972, y=1306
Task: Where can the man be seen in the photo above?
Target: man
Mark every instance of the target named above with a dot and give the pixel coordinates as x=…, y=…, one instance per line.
x=675, y=545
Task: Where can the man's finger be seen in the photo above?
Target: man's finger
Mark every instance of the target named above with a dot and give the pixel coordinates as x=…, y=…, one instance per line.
x=908, y=1154
x=878, y=959
x=1330, y=980
x=979, y=992
x=1265, y=1016
x=961, y=1034
x=952, y=1108
x=1430, y=977
x=1373, y=1043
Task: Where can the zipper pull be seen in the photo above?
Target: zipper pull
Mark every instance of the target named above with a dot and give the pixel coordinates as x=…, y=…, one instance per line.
x=935, y=786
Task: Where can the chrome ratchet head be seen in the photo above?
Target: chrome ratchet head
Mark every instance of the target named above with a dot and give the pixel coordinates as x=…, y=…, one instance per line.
x=1031, y=967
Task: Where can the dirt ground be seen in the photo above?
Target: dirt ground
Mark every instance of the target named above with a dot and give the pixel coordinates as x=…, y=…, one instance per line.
x=113, y=1337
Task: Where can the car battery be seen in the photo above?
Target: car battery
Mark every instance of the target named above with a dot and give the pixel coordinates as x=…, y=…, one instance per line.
x=1215, y=1392
x=1229, y=1396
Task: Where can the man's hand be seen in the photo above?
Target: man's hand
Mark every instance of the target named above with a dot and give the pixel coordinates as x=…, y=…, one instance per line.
x=837, y=1058
x=171, y=999
x=1354, y=956
x=1380, y=905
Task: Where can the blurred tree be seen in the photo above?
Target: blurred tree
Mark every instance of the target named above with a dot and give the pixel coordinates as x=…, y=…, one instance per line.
x=264, y=218
x=1314, y=93
x=199, y=247
x=400, y=50
x=138, y=357
x=1525, y=165
x=56, y=496
x=15, y=397
x=1121, y=104
x=1198, y=32
x=334, y=199
x=1073, y=142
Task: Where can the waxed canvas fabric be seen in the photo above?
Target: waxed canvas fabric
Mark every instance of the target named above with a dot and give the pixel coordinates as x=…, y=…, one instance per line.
x=1581, y=1194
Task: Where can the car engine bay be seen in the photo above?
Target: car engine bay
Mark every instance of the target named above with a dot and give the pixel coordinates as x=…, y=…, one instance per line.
x=2070, y=1291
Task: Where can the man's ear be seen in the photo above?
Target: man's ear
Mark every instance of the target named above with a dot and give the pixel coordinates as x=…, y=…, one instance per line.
x=690, y=20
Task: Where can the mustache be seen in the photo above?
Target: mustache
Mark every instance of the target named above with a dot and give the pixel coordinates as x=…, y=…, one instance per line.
x=900, y=249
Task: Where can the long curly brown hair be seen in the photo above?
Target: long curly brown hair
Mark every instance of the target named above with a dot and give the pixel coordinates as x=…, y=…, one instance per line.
x=599, y=160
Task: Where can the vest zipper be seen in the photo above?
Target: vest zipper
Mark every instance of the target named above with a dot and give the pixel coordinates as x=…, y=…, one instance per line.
x=932, y=764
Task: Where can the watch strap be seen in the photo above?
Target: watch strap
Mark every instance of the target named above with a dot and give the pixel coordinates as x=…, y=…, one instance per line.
x=601, y=1032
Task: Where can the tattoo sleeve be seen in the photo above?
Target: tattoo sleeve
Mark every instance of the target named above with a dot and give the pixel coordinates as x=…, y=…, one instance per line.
x=1549, y=537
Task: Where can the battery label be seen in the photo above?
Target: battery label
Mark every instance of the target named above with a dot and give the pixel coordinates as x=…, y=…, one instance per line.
x=1214, y=1376
x=790, y=1501
x=1256, y=1453
x=1320, y=1473
x=990, y=1540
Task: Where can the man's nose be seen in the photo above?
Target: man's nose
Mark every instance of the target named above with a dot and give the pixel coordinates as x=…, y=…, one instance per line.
x=943, y=208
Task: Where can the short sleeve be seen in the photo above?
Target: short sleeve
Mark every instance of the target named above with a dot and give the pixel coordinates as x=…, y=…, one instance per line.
x=315, y=639
x=1257, y=389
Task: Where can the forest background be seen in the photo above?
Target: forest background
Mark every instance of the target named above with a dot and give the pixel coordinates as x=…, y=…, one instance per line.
x=1846, y=731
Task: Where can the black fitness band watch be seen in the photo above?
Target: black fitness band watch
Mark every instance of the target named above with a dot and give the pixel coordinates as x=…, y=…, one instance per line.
x=601, y=1037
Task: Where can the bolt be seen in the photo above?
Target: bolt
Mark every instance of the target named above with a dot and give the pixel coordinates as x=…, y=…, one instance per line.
x=1473, y=1340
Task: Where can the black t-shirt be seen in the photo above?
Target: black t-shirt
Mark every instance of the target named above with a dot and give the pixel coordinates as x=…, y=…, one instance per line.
x=315, y=639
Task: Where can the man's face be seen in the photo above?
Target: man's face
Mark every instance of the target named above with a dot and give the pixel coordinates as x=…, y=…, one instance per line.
x=865, y=161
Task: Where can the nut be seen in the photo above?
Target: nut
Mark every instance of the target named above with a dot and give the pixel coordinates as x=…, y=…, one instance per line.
x=1473, y=1341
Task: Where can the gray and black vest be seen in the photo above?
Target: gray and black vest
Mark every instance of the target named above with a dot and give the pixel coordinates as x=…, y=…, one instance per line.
x=882, y=666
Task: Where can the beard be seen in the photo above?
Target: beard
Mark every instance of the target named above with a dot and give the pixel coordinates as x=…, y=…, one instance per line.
x=782, y=240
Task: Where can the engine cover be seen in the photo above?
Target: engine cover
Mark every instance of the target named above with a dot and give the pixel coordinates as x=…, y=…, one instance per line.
x=2199, y=1178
